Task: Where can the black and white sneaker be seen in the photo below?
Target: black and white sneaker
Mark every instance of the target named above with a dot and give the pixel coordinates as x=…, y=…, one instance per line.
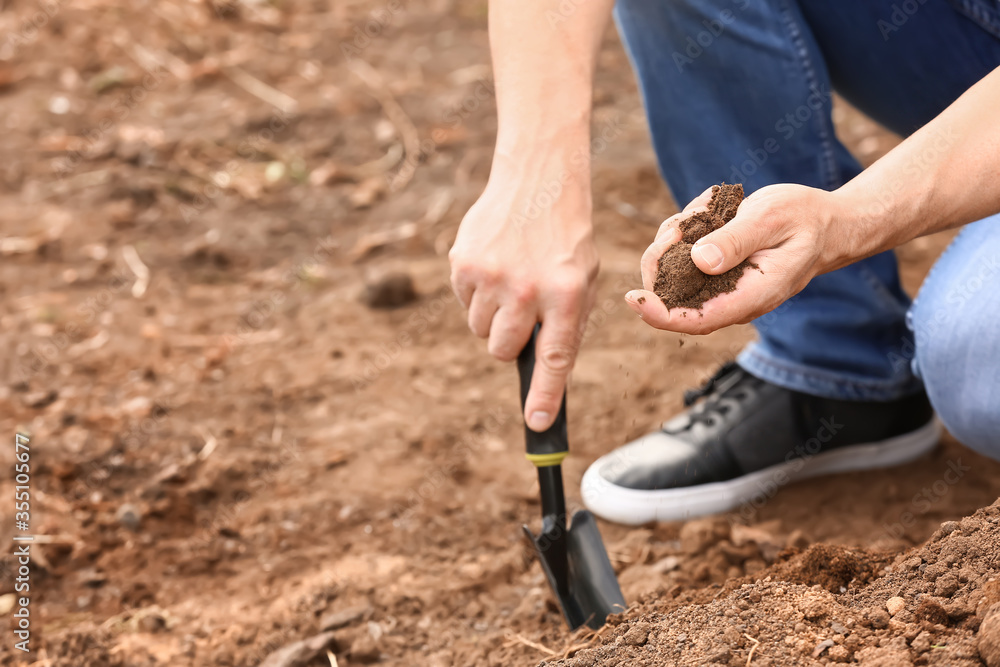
x=746, y=439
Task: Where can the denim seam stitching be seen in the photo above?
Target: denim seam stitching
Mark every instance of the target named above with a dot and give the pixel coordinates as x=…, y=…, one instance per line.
x=829, y=158
x=978, y=14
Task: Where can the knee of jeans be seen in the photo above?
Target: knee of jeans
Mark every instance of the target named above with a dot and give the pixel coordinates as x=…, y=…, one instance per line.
x=951, y=363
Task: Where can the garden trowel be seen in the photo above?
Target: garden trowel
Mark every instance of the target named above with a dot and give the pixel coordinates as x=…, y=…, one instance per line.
x=574, y=558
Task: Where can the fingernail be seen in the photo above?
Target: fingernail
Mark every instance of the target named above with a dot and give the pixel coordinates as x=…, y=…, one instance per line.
x=633, y=296
x=709, y=254
x=538, y=420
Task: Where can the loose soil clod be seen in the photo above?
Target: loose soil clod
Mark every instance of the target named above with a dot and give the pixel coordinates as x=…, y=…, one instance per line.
x=679, y=282
x=790, y=617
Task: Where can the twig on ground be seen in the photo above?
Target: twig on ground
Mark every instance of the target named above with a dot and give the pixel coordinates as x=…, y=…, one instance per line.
x=587, y=640
x=570, y=651
x=535, y=645
x=394, y=112
x=261, y=90
x=374, y=240
x=95, y=342
x=379, y=165
x=332, y=658
x=140, y=270
x=441, y=201
x=150, y=60
x=756, y=643
x=210, y=442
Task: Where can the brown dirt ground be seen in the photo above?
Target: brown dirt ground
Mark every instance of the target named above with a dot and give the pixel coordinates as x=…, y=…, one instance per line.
x=231, y=454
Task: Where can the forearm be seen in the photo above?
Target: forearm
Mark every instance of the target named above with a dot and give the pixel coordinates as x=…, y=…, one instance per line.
x=543, y=62
x=945, y=175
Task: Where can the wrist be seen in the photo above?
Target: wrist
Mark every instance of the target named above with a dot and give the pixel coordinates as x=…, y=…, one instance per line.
x=860, y=226
x=565, y=138
x=560, y=169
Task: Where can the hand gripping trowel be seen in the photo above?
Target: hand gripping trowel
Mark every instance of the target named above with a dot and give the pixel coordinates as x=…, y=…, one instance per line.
x=574, y=559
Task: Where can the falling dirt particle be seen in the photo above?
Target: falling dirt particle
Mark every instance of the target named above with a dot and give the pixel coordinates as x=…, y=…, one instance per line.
x=894, y=605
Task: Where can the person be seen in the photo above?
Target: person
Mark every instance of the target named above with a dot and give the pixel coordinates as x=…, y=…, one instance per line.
x=846, y=373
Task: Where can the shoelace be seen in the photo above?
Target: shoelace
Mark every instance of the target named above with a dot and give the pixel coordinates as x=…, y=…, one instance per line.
x=713, y=405
x=692, y=395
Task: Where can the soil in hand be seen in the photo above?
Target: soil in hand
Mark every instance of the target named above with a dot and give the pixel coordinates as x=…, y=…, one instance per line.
x=679, y=282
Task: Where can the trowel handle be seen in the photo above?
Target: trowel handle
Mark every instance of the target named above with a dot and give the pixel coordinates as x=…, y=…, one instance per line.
x=550, y=447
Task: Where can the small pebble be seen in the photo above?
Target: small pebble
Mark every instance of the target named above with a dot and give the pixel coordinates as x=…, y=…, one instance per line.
x=637, y=634
x=878, y=618
x=894, y=605
x=822, y=646
x=129, y=516
x=152, y=623
x=389, y=290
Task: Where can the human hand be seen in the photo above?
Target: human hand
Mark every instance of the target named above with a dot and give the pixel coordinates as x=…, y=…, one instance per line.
x=525, y=254
x=791, y=232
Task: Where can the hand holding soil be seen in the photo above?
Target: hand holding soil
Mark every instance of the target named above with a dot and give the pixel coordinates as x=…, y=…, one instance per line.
x=694, y=274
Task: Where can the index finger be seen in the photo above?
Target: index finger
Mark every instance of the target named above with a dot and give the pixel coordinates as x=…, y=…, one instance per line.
x=555, y=353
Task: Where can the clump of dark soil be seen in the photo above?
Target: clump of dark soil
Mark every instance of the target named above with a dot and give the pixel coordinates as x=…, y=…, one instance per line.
x=932, y=605
x=832, y=567
x=679, y=282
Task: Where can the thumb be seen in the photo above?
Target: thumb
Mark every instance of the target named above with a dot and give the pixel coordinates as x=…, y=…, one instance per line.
x=727, y=246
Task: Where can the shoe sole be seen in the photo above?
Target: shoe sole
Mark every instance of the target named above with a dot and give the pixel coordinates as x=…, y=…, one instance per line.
x=636, y=507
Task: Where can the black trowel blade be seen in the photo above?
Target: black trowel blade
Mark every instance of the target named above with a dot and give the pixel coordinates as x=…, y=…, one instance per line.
x=592, y=591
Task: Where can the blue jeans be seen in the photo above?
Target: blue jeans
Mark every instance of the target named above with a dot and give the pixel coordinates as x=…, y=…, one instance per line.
x=741, y=91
